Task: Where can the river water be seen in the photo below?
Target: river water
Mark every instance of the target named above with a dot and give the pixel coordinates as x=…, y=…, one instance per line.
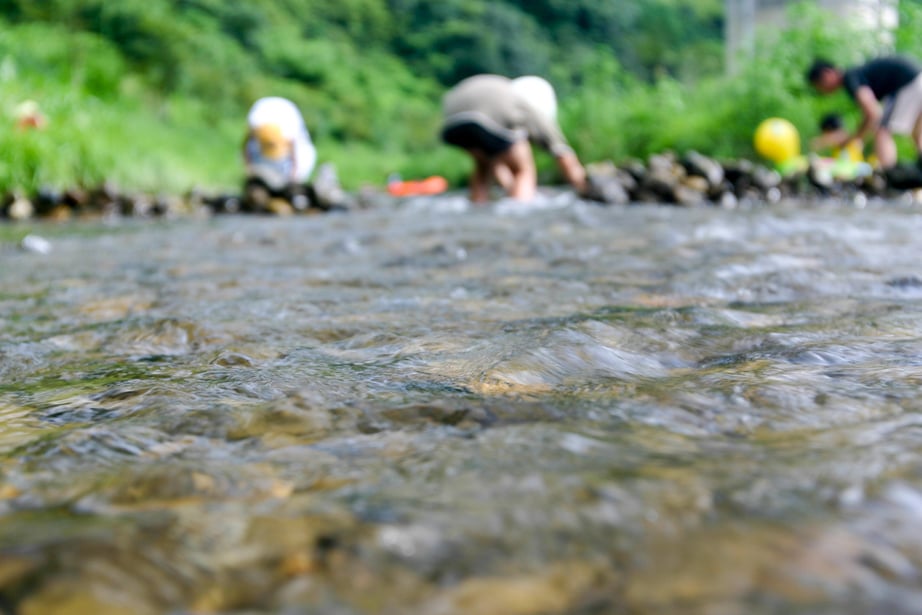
x=427, y=408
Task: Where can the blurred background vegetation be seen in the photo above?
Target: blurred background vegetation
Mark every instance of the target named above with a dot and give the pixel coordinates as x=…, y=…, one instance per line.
x=152, y=94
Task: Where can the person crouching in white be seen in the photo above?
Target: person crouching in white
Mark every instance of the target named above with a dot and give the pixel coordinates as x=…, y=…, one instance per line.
x=278, y=153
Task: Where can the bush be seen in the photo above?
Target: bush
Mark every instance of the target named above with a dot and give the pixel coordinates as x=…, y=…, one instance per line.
x=153, y=93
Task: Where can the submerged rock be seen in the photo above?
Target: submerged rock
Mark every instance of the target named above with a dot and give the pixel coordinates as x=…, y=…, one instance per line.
x=34, y=243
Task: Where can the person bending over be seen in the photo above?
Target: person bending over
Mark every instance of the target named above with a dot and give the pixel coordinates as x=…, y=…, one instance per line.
x=887, y=90
x=277, y=149
x=495, y=120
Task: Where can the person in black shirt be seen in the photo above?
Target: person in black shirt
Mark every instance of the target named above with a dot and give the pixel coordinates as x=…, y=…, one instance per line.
x=887, y=90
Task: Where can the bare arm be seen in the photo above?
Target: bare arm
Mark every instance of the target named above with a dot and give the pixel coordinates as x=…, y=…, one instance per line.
x=830, y=139
x=870, y=113
x=573, y=171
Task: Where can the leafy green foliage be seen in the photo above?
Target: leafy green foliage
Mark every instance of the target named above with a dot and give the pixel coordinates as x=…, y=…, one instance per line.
x=907, y=36
x=152, y=93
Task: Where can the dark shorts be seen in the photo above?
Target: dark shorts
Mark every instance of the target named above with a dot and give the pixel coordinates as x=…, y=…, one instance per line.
x=472, y=135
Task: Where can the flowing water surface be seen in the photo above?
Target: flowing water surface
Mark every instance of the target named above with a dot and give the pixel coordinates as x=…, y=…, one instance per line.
x=436, y=410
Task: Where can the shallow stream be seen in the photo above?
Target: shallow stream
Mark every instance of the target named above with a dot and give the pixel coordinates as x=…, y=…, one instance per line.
x=436, y=410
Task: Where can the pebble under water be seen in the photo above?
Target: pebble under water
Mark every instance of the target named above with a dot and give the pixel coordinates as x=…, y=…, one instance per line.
x=434, y=409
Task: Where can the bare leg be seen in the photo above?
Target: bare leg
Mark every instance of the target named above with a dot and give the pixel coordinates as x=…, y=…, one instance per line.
x=514, y=169
x=521, y=165
x=885, y=148
x=480, y=178
x=504, y=176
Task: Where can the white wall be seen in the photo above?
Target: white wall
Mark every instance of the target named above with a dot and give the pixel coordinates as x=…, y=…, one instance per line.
x=744, y=16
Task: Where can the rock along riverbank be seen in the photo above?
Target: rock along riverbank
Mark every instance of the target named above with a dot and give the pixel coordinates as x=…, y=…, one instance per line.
x=690, y=179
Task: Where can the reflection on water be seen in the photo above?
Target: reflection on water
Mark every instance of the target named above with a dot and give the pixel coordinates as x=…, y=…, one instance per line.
x=436, y=410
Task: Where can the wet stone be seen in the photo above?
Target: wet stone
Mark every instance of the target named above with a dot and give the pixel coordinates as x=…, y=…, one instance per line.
x=699, y=165
x=689, y=178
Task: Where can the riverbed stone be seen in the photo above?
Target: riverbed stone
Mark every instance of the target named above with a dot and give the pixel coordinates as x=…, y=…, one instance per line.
x=256, y=196
x=697, y=164
x=74, y=597
x=607, y=184
x=697, y=184
x=663, y=178
x=279, y=207
x=566, y=588
x=688, y=195
x=691, y=178
x=326, y=192
x=18, y=207
x=46, y=199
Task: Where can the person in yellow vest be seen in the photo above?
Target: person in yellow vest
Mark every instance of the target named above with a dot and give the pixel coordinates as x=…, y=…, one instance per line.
x=842, y=157
x=833, y=139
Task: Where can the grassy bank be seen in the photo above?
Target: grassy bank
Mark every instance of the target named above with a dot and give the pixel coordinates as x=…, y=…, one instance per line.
x=142, y=126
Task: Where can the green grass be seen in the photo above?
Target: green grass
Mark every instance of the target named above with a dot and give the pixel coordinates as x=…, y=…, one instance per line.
x=113, y=119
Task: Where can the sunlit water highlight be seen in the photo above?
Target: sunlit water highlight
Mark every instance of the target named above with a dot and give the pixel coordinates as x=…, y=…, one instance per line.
x=433, y=409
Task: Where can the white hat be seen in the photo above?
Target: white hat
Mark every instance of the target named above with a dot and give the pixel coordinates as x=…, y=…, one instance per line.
x=539, y=93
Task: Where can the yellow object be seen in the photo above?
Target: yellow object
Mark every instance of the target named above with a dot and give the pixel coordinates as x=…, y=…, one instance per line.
x=272, y=143
x=851, y=152
x=777, y=140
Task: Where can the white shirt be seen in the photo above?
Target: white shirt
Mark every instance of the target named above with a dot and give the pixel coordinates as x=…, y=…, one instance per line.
x=284, y=114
